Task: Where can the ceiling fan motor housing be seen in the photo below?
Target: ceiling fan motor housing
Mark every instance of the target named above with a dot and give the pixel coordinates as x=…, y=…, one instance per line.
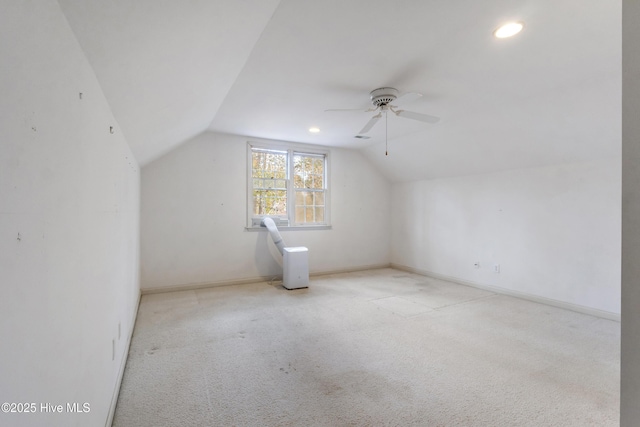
x=383, y=96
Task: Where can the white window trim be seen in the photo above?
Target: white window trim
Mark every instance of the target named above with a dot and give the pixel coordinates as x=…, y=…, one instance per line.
x=290, y=148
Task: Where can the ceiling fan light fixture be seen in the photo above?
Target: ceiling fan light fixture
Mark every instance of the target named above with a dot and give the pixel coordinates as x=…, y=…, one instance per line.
x=509, y=29
x=382, y=99
x=383, y=96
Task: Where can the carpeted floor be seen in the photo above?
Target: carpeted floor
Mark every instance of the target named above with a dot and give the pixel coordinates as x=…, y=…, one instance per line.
x=375, y=348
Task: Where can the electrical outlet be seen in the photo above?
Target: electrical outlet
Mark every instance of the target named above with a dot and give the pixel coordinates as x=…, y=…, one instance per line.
x=496, y=268
x=476, y=264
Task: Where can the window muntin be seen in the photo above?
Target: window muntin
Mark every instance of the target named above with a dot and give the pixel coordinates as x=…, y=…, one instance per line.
x=288, y=185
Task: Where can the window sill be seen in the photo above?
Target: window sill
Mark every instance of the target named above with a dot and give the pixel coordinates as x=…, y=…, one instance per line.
x=292, y=228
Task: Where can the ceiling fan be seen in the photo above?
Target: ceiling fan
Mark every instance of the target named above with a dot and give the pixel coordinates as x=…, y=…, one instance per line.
x=382, y=99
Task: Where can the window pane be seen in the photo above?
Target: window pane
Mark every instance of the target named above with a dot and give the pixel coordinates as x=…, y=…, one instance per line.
x=269, y=202
x=269, y=171
x=269, y=164
x=308, y=171
x=309, y=206
x=256, y=160
x=259, y=203
x=280, y=184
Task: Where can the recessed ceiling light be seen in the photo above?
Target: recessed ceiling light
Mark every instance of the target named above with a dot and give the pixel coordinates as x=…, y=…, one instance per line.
x=314, y=130
x=508, y=30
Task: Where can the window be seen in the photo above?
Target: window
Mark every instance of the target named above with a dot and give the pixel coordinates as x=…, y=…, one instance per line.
x=269, y=175
x=288, y=185
x=308, y=185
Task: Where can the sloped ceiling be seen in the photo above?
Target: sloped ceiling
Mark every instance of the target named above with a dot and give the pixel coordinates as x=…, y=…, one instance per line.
x=269, y=69
x=166, y=66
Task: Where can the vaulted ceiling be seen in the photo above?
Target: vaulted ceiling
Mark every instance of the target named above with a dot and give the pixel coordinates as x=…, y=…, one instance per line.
x=267, y=68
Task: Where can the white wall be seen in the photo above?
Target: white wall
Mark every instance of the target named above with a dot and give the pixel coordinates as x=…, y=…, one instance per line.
x=555, y=231
x=193, y=216
x=630, y=351
x=69, y=213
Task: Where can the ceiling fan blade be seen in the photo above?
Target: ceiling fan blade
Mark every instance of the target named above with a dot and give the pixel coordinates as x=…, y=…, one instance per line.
x=407, y=97
x=370, y=123
x=417, y=116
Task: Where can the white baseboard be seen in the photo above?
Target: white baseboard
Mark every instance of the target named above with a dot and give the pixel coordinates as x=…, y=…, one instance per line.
x=257, y=279
x=522, y=295
x=123, y=364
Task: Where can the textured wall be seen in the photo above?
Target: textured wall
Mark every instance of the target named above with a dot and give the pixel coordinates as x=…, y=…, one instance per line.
x=554, y=231
x=69, y=233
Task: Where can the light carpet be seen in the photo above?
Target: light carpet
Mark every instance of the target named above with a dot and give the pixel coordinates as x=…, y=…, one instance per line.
x=374, y=348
